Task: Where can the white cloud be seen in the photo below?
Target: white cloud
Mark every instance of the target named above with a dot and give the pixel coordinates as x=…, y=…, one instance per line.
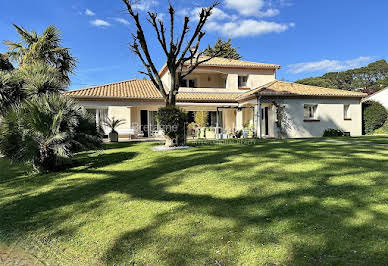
x=100, y=23
x=248, y=27
x=217, y=14
x=145, y=5
x=251, y=8
x=233, y=24
x=122, y=21
x=89, y=12
x=328, y=65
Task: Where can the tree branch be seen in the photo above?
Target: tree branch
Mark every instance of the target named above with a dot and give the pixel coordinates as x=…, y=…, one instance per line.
x=147, y=61
x=159, y=33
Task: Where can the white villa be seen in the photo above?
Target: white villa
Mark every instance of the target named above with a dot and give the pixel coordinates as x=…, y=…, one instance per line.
x=380, y=96
x=237, y=94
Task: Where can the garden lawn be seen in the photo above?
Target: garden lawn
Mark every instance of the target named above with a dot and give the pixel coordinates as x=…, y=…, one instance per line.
x=272, y=202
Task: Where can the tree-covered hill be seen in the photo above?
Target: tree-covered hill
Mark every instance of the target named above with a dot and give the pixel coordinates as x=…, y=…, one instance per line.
x=369, y=79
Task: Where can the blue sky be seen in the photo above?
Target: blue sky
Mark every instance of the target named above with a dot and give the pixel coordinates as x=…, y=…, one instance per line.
x=307, y=38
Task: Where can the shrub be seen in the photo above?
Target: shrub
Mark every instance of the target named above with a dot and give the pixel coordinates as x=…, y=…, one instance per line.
x=374, y=116
x=200, y=118
x=332, y=132
x=10, y=90
x=87, y=135
x=173, y=122
x=44, y=130
x=382, y=130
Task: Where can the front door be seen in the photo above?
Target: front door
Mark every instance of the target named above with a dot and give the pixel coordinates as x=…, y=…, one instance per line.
x=144, y=122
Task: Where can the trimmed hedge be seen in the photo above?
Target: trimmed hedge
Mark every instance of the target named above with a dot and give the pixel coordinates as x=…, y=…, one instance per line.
x=374, y=116
x=173, y=122
x=332, y=132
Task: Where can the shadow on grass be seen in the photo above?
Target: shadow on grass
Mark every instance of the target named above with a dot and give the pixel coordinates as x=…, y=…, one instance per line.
x=319, y=215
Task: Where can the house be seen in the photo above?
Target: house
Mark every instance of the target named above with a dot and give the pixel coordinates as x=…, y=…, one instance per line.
x=380, y=96
x=237, y=94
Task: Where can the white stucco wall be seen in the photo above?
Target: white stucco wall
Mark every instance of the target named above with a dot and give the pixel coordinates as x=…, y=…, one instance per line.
x=215, y=77
x=381, y=97
x=330, y=113
x=122, y=113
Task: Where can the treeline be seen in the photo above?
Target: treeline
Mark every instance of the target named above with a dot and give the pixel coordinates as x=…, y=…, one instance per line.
x=369, y=79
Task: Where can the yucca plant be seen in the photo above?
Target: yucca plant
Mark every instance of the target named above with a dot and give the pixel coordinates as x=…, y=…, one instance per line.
x=113, y=123
x=41, y=130
x=10, y=90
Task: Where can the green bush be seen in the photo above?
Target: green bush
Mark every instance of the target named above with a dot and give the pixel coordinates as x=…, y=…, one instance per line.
x=374, y=116
x=173, y=122
x=382, y=130
x=45, y=131
x=87, y=135
x=200, y=117
x=332, y=132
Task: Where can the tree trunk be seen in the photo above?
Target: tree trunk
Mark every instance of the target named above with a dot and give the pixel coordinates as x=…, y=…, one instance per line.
x=170, y=142
x=171, y=101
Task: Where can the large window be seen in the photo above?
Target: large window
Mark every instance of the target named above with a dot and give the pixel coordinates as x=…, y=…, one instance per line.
x=310, y=111
x=212, y=119
x=100, y=115
x=188, y=83
x=242, y=81
x=347, y=112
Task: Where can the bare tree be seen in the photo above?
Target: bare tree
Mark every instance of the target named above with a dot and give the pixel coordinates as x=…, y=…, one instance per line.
x=182, y=53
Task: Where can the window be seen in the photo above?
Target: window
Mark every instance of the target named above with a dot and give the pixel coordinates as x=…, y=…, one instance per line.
x=347, y=112
x=212, y=119
x=191, y=117
x=188, y=83
x=242, y=81
x=310, y=111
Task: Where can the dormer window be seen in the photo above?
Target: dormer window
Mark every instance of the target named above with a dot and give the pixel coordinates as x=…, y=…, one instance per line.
x=188, y=83
x=242, y=81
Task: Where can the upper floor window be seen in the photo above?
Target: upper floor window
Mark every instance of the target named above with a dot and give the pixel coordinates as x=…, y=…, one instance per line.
x=188, y=83
x=242, y=81
x=310, y=111
x=347, y=112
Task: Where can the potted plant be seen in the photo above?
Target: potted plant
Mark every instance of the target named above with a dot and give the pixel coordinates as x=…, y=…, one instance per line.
x=113, y=124
x=210, y=133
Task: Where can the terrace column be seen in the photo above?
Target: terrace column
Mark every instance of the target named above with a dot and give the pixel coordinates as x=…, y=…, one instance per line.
x=257, y=118
x=239, y=119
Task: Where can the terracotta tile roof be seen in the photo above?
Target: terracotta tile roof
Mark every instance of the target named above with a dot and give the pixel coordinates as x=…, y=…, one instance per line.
x=213, y=97
x=228, y=63
x=132, y=89
x=144, y=90
x=281, y=88
x=224, y=62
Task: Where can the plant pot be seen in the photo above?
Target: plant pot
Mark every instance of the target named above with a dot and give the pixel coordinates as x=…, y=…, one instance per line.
x=202, y=133
x=113, y=136
x=210, y=134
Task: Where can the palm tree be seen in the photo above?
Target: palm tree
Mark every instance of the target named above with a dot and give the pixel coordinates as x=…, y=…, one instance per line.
x=113, y=123
x=10, y=90
x=41, y=130
x=45, y=48
x=40, y=78
x=5, y=65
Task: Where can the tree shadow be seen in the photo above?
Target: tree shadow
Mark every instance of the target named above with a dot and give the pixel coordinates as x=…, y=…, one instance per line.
x=311, y=212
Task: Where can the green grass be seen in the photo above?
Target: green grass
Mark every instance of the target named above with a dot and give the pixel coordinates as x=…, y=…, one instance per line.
x=274, y=202
x=382, y=130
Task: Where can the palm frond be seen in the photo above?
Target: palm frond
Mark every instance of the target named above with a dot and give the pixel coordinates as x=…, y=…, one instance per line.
x=113, y=123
